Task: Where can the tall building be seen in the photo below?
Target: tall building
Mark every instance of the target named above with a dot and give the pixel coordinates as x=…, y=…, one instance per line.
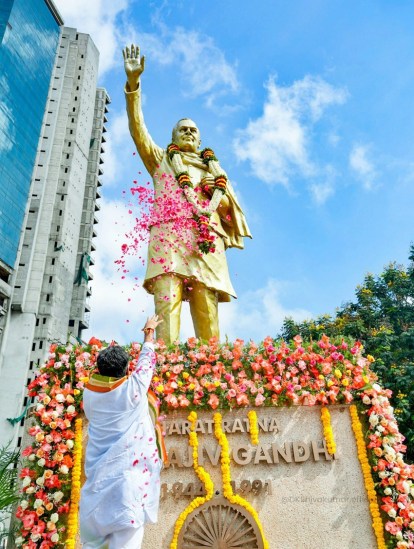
x=29, y=35
x=51, y=282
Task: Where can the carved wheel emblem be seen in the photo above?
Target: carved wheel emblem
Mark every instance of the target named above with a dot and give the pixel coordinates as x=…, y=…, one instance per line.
x=219, y=524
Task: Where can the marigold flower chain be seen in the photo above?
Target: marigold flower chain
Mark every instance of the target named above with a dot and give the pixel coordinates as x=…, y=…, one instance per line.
x=202, y=209
x=202, y=475
x=253, y=427
x=226, y=476
x=369, y=483
x=76, y=487
x=327, y=430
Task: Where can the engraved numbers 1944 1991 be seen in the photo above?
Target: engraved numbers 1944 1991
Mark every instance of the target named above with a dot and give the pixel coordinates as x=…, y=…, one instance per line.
x=195, y=489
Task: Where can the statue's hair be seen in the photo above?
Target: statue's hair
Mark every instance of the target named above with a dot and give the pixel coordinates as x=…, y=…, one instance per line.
x=175, y=128
x=112, y=361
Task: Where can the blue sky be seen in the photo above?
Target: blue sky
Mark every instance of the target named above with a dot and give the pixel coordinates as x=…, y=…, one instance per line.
x=309, y=107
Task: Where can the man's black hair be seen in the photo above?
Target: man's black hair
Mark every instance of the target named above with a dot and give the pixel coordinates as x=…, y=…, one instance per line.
x=113, y=361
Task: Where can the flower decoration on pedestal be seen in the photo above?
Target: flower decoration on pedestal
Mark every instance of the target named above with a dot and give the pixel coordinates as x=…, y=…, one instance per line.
x=210, y=376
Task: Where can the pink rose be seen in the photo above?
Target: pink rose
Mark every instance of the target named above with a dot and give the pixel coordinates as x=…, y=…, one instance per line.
x=213, y=401
x=258, y=401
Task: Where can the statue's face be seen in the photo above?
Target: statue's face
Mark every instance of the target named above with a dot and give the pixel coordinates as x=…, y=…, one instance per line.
x=186, y=135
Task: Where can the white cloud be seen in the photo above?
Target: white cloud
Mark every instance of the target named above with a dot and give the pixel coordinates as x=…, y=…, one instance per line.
x=259, y=313
x=362, y=166
x=201, y=64
x=110, y=305
x=321, y=191
x=277, y=144
x=99, y=18
x=204, y=69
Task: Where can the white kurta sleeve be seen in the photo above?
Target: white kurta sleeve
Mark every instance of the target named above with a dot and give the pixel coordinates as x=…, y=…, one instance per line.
x=145, y=367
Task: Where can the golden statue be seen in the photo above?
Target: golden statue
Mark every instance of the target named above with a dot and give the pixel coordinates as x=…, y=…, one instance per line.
x=201, y=277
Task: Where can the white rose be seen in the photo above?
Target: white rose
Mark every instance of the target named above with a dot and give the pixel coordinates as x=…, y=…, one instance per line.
x=26, y=482
x=54, y=538
x=41, y=462
x=71, y=409
x=24, y=504
x=30, y=490
x=64, y=469
x=32, y=457
x=35, y=537
x=401, y=505
x=54, y=414
x=396, y=470
x=19, y=541
x=60, y=397
x=373, y=419
x=399, y=536
x=38, y=503
x=376, y=387
x=392, y=513
x=57, y=496
x=366, y=399
x=387, y=491
x=382, y=474
x=54, y=517
x=70, y=444
x=381, y=429
x=40, y=481
x=405, y=487
x=39, y=407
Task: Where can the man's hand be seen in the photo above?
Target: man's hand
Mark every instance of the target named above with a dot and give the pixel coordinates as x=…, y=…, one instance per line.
x=149, y=328
x=134, y=66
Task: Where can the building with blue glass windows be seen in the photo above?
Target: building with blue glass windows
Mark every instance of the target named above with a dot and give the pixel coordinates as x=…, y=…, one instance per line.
x=29, y=35
x=52, y=126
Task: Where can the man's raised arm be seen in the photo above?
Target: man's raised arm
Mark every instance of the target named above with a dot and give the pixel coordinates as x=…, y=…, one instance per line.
x=150, y=153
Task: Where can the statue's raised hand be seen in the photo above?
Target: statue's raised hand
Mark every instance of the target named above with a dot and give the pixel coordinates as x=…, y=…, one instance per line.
x=134, y=66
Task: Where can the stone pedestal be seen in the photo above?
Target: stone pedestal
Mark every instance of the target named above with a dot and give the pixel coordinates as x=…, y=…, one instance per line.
x=304, y=498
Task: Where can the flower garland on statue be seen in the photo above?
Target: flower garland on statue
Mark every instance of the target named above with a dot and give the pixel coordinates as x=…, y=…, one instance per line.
x=76, y=487
x=203, y=212
x=327, y=430
x=366, y=472
x=253, y=427
x=202, y=475
x=226, y=476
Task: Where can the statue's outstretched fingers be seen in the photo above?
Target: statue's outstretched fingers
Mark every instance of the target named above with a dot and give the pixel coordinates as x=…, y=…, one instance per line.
x=127, y=52
x=132, y=51
x=143, y=62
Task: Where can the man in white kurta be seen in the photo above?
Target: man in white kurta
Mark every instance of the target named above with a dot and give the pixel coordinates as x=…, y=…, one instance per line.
x=122, y=464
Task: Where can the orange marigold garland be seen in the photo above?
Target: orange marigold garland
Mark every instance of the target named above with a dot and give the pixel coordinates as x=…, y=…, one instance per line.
x=76, y=487
x=226, y=476
x=377, y=523
x=202, y=475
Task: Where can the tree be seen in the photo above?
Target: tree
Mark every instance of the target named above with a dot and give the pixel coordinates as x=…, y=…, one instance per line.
x=382, y=318
x=8, y=488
